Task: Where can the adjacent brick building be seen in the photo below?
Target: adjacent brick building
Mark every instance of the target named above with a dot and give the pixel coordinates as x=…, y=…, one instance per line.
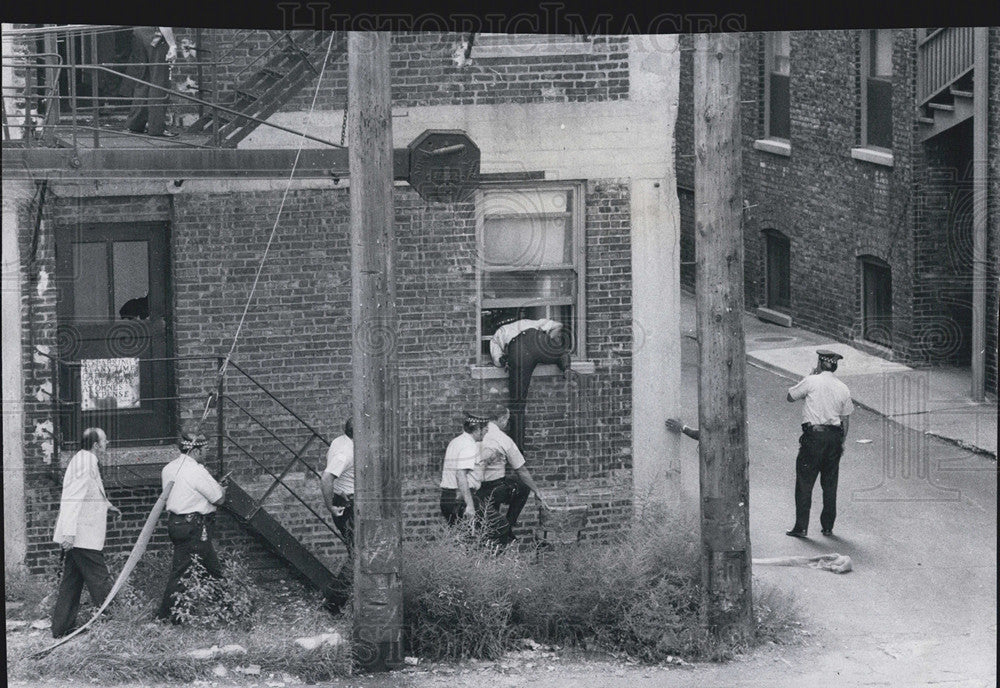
x=858, y=180
x=564, y=128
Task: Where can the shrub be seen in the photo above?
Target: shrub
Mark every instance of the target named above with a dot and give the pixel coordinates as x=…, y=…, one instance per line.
x=640, y=594
x=458, y=597
x=209, y=602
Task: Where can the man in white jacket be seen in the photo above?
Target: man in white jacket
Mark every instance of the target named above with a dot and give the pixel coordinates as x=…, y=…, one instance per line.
x=80, y=530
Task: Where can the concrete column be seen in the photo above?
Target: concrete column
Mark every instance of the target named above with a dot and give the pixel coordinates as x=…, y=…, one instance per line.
x=654, y=79
x=14, y=519
x=656, y=347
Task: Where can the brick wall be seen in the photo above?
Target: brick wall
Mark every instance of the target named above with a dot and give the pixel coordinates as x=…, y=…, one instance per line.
x=424, y=71
x=296, y=341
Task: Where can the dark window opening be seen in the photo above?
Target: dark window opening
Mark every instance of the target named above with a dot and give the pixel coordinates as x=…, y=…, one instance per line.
x=878, y=89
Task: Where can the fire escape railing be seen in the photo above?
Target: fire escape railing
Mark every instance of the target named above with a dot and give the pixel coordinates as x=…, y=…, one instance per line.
x=943, y=56
x=45, y=107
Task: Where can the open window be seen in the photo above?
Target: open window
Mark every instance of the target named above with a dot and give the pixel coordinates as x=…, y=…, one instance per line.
x=777, y=99
x=876, y=89
x=530, y=242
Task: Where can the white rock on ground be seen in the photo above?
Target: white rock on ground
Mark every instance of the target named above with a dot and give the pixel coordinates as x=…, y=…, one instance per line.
x=312, y=642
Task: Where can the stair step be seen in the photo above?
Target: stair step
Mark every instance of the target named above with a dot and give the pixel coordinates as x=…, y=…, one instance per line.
x=276, y=73
x=925, y=120
x=248, y=94
x=960, y=93
x=941, y=106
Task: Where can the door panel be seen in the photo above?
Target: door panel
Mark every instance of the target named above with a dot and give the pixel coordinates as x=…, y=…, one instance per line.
x=114, y=323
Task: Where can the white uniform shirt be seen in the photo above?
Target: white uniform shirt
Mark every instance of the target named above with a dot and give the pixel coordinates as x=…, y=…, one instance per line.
x=83, y=509
x=827, y=399
x=340, y=462
x=505, y=333
x=498, y=449
x=194, y=488
x=462, y=454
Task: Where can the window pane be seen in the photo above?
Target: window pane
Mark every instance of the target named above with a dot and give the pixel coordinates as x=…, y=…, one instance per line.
x=781, y=50
x=131, y=285
x=90, y=281
x=779, y=124
x=527, y=241
x=535, y=202
x=529, y=285
x=879, y=113
x=881, y=53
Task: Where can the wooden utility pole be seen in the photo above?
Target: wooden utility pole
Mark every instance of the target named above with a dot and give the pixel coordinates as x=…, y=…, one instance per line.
x=722, y=450
x=378, y=592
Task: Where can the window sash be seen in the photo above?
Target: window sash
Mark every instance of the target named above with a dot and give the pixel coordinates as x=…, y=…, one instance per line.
x=777, y=78
x=876, y=89
x=546, y=281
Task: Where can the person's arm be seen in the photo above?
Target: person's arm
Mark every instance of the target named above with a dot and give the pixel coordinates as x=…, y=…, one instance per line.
x=799, y=390
x=326, y=485
x=675, y=425
x=526, y=478
x=845, y=422
x=168, y=37
x=462, y=477
x=209, y=488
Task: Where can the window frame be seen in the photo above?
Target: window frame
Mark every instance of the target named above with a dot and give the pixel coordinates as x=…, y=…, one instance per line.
x=869, y=47
x=576, y=210
x=770, y=43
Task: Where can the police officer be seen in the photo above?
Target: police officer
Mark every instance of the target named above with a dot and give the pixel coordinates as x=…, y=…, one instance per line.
x=337, y=483
x=825, y=419
x=496, y=486
x=519, y=345
x=458, y=481
x=191, y=509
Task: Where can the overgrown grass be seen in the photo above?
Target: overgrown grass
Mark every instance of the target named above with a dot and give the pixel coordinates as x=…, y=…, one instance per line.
x=126, y=645
x=639, y=595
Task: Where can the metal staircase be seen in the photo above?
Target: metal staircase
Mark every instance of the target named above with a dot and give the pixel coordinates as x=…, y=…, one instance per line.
x=289, y=63
x=945, y=80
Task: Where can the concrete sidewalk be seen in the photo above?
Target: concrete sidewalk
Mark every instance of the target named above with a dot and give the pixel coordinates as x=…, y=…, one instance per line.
x=935, y=401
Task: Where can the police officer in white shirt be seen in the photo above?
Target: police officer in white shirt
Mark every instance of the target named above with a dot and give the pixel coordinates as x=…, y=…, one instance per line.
x=825, y=419
x=458, y=484
x=80, y=531
x=519, y=345
x=191, y=514
x=496, y=487
x=337, y=483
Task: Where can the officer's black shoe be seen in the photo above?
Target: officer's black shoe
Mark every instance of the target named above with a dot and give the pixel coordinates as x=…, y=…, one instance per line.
x=828, y=532
x=796, y=533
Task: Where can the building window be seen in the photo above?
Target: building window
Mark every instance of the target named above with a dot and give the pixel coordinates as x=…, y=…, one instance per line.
x=777, y=272
x=876, y=88
x=876, y=301
x=530, y=259
x=777, y=71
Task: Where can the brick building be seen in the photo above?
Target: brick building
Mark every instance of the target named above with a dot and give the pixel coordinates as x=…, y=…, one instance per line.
x=859, y=177
x=575, y=218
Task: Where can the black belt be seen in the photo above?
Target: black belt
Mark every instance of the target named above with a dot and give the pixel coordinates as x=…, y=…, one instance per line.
x=806, y=427
x=192, y=517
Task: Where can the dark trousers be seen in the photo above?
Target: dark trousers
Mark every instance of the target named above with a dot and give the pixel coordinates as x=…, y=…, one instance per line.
x=149, y=106
x=453, y=506
x=345, y=522
x=524, y=352
x=191, y=537
x=80, y=566
x=819, y=455
x=492, y=494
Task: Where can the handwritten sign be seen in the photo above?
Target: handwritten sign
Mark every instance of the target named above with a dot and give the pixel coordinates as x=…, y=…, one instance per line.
x=109, y=383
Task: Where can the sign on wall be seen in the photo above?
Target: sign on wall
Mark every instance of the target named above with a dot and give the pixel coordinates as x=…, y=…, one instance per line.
x=109, y=383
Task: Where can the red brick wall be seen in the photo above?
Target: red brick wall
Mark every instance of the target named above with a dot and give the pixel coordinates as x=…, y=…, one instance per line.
x=297, y=336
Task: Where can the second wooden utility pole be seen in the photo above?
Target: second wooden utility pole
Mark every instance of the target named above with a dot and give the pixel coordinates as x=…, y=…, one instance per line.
x=725, y=504
x=378, y=592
